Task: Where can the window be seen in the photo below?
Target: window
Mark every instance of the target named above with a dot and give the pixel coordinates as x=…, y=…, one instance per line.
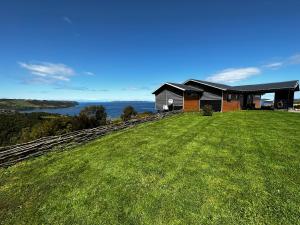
x=229, y=97
x=192, y=94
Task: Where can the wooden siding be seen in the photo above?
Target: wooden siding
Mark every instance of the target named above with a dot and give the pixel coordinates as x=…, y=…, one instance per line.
x=191, y=102
x=169, y=93
x=233, y=105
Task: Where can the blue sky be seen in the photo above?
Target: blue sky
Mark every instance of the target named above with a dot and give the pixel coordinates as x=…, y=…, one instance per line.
x=123, y=50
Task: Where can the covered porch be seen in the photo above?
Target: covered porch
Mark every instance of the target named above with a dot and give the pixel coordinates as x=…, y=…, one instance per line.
x=282, y=99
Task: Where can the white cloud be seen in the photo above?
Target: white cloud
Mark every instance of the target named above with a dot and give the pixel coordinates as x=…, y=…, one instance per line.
x=232, y=75
x=292, y=60
x=67, y=19
x=295, y=59
x=89, y=73
x=49, y=71
x=274, y=65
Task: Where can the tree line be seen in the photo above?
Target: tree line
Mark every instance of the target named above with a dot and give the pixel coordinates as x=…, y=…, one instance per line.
x=23, y=104
x=23, y=127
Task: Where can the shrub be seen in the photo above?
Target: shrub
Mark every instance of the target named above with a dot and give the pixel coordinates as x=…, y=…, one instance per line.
x=82, y=121
x=116, y=121
x=145, y=114
x=128, y=113
x=207, y=110
x=55, y=126
x=96, y=114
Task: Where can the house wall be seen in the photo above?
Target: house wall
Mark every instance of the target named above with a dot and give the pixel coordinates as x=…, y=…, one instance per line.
x=231, y=105
x=167, y=93
x=206, y=88
x=191, y=102
x=211, y=96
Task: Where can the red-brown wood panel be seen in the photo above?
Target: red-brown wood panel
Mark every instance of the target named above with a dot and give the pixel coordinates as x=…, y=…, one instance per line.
x=191, y=103
x=232, y=105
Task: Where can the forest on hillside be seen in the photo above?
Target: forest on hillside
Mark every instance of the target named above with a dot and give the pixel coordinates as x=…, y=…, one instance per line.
x=23, y=104
x=23, y=127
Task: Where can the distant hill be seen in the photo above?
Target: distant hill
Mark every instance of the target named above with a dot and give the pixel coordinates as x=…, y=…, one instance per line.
x=23, y=104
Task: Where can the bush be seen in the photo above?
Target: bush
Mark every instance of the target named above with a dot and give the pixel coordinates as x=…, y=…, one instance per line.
x=116, y=121
x=207, y=110
x=128, y=113
x=50, y=127
x=82, y=121
x=95, y=114
x=145, y=114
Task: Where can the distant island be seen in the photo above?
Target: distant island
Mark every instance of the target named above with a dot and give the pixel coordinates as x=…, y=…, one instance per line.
x=26, y=104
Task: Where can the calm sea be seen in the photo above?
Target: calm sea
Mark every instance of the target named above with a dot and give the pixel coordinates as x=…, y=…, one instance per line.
x=113, y=109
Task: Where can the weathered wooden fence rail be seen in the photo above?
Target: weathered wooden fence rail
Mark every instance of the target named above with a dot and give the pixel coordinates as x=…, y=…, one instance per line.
x=12, y=154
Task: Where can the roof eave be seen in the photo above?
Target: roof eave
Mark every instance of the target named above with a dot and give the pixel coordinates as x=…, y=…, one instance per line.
x=175, y=86
x=297, y=86
x=204, y=84
x=167, y=83
x=264, y=90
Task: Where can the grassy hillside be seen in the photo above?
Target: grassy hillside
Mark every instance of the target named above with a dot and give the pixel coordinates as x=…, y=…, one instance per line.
x=232, y=168
x=22, y=104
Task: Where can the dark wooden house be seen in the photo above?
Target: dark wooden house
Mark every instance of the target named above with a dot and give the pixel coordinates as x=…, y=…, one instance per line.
x=193, y=94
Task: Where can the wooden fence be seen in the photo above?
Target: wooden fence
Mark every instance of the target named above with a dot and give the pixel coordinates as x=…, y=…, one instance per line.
x=12, y=154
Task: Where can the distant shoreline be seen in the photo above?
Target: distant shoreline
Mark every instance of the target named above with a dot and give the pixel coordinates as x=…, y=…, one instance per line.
x=114, y=108
x=29, y=104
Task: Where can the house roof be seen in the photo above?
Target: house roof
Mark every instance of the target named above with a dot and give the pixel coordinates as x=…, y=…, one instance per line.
x=179, y=86
x=211, y=84
x=294, y=84
x=258, y=88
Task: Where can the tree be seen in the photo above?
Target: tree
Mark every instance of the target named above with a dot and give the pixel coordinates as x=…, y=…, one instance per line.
x=96, y=114
x=128, y=113
x=50, y=127
x=81, y=121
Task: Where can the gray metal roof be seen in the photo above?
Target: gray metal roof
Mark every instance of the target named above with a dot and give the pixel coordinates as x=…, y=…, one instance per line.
x=294, y=84
x=268, y=86
x=185, y=87
x=216, y=85
x=263, y=88
x=180, y=87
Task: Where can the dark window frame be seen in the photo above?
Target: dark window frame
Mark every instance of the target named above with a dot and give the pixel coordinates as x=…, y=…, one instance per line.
x=229, y=97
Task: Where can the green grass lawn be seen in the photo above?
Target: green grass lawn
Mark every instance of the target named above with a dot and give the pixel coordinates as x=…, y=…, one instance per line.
x=232, y=168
